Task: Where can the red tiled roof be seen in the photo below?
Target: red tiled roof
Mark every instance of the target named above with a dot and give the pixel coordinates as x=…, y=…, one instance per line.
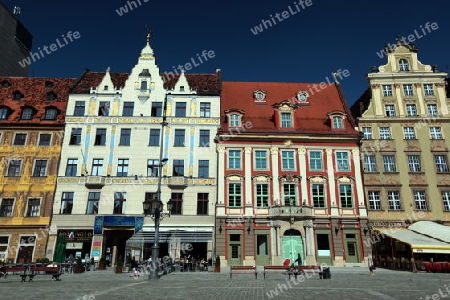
x=308, y=119
x=35, y=93
x=205, y=84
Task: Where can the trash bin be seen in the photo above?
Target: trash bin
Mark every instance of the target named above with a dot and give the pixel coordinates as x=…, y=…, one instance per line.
x=326, y=273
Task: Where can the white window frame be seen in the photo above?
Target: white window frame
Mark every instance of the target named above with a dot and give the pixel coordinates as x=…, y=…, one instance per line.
x=387, y=90
x=288, y=159
x=374, y=200
x=234, y=167
x=435, y=133
x=340, y=160
x=389, y=164
x=385, y=133
x=394, y=200
x=409, y=133
x=420, y=200
x=414, y=164
x=265, y=158
x=408, y=90
x=446, y=200
x=367, y=133
x=403, y=65
x=370, y=164
x=428, y=89
x=440, y=160
x=389, y=110
x=311, y=159
x=432, y=110
x=235, y=120
x=411, y=110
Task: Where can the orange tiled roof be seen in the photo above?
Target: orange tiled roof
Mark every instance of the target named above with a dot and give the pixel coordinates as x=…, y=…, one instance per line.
x=308, y=119
x=34, y=93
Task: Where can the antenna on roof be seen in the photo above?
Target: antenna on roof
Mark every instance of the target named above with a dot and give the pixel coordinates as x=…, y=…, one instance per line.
x=16, y=11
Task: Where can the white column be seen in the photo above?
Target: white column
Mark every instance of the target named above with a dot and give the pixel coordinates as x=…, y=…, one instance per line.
x=302, y=166
x=331, y=180
x=358, y=181
x=398, y=92
x=275, y=174
x=248, y=175
x=220, y=174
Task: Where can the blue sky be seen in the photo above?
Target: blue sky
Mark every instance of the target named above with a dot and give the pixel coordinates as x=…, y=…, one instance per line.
x=308, y=44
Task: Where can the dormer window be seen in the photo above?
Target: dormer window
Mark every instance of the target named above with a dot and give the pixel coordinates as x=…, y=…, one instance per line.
x=48, y=85
x=27, y=113
x=105, y=88
x=338, y=122
x=144, y=85
x=403, y=65
x=259, y=95
x=5, y=84
x=50, y=113
x=4, y=113
x=286, y=120
x=336, y=118
x=51, y=96
x=17, y=96
x=235, y=120
x=182, y=88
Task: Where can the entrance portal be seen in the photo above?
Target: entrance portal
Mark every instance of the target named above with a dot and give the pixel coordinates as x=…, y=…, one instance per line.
x=292, y=245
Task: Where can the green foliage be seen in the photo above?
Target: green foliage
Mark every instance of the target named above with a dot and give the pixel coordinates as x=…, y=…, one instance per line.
x=120, y=261
x=92, y=260
x=43, y=260
x=102, y=261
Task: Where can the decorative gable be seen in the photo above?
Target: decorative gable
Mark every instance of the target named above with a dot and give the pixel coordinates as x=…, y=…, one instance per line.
x=259, y=96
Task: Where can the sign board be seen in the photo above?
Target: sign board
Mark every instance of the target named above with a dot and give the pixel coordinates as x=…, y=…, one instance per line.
x=95, y=253
x=74, y=245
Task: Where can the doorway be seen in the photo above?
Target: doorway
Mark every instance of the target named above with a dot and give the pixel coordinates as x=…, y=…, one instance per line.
x=351, y=248
x=235, y=249
x=292, y=245
x=262, y=249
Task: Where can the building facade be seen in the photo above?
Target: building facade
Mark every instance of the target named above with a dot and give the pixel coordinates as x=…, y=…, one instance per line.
x=32, y=114
x=110, y=163
x=15, y=44
x=289, y=177
x=403, y=118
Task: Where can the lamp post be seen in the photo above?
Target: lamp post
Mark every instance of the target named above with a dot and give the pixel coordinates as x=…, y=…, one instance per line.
x=154, y=207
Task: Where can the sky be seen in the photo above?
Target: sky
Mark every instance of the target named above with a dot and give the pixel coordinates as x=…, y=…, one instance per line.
x=305, y=42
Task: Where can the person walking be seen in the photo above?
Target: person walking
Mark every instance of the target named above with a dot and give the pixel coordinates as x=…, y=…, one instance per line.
x=371, y=265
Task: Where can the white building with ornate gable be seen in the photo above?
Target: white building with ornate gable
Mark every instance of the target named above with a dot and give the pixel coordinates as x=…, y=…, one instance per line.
x=110, y=163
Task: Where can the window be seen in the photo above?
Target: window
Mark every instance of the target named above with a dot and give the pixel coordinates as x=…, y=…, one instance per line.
x=389, y=163
x=370, y=163
x=103, y=108
x=180, y=109
x=204, y=138
x=152, y=167
x=428, y=89
x=403, y=65
x=92, y=205
x=394, y=200
x=315, y=161
x=435, y=133
x=345, y=195
x=50, y=114
x=262, y=195
x=385, y=133
x=75, y=136
x=342, y=161
x=179, y=138
x=97, y=167
x=205, y=109
x=287, y=160
x=125, y=137
x=79, y=108
x=289, y=194
x=100, y=137
x=177, y=203
x=66, y=203
x=408, y=90
x=44, y=139
x=409, y=133
x=338, y=122
x=51, y=96
x=286, y=120
x=387, y=90
x=71, y=168
x=374, y=200
x=122, y=167
x=151, y=196
x=445, y=199
x=6, y=209
x=318, y=195
x=411, y=110
x=414, y=163
x=144, y=85
x=261, y=160
x=178, y=167
x=367, y=133
x=14, y=168
x=105, y=88
x=432, y=110
x=20, y=139
x=128, y=109
x=202, y=203
x=234, y=159
x=441, y=163
x=390, y=110
x=120, y=199
x=4, y=112
x=182, y=88
x=235, y=194
x=203, y=168
x=27, y=113
x=17, y=96
x=235, y=120
x=33, y=209
x=157, y=109
x=40, y=168
x=154, y=137
x=420, y=200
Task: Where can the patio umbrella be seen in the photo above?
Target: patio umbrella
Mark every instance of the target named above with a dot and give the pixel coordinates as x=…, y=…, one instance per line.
x=59, y=251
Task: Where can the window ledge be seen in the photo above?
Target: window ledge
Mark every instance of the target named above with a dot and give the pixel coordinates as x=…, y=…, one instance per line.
x=392, y=173
x=416, y=173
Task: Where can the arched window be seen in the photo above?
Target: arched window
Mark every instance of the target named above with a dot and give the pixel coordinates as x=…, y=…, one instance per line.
x=4, y=112
x=235, y=120
x=50, y=113
x=403, y=65
x=337, y=122
x=27, y=113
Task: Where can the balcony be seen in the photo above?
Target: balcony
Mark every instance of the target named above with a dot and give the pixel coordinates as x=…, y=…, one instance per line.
x=143, y=95
x=177, y=182
x=293, y=213
x=94, y=182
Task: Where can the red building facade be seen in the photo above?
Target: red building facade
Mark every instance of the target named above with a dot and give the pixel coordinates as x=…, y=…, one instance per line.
x=289, y=177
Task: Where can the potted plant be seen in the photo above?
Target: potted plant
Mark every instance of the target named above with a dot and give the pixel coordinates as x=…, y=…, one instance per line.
x=217, y=268
x=92, y=266
x=119, y=264
x=102, y=263
x=78, y=265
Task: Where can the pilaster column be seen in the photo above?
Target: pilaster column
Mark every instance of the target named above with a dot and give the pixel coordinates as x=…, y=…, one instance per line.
x=302, y=166
x=248, y=175
x=331, y=180
x=275, y=174
x=399, y=96
x=220, y=174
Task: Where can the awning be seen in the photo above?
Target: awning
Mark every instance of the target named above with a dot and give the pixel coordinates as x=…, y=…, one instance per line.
x=184, y=236
x=419, y=243
x=432, y=229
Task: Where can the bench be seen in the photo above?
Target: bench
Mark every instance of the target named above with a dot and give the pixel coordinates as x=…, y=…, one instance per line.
x=285, y=269
x=301, y=270
x=31, y=271
x=55, y=271
x=237, y=270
